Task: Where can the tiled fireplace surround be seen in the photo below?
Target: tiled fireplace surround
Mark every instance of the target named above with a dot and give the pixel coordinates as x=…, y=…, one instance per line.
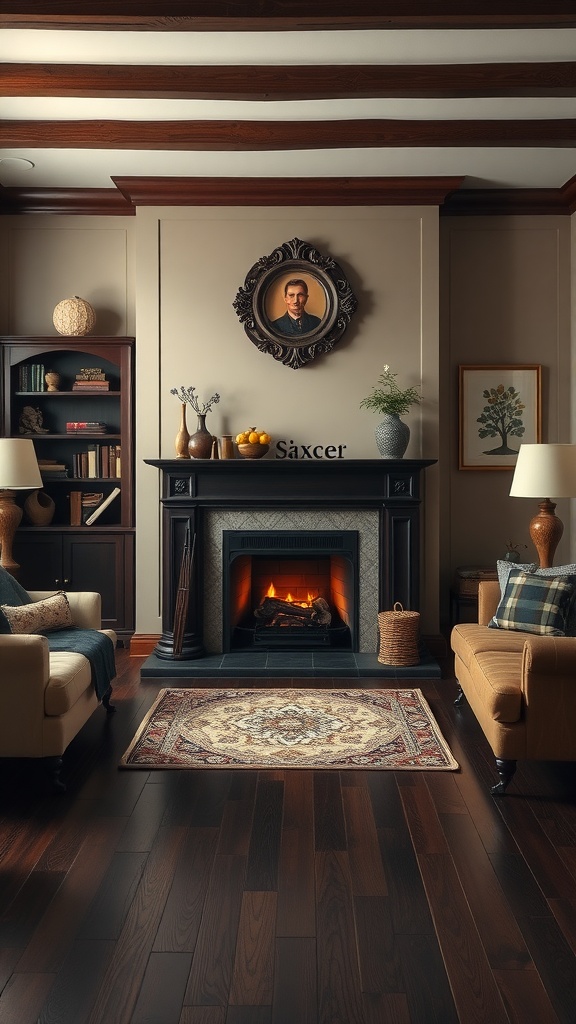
x=379, y=499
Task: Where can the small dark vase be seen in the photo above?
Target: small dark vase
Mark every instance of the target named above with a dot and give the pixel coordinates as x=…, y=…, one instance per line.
x=200, y=443
x=512, y=555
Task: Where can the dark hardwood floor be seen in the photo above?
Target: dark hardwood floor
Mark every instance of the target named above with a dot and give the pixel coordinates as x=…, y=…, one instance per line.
x=229, y=897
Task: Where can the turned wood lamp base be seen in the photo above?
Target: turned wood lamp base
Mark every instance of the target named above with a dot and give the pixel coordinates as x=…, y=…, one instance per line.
x=10, y=518
x=546, y=529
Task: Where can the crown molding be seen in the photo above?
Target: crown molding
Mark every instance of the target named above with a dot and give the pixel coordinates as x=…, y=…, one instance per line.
x=496, y=202
x=90, y=201
x=175, y=191
x=446, y=193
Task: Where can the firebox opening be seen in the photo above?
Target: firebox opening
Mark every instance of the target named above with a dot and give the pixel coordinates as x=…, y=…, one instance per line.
x=296, y=596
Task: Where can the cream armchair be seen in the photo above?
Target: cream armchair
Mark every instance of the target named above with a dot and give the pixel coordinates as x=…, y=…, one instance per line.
x=46, y=697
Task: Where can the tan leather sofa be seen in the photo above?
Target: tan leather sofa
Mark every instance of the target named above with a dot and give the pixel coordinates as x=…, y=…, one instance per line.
x=45, y=698
x=520, y=686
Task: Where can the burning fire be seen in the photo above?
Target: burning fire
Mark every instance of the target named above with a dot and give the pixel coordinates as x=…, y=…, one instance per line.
x=271, y=592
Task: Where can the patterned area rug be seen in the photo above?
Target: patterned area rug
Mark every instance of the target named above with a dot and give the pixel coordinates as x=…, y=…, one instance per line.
x=288, y=728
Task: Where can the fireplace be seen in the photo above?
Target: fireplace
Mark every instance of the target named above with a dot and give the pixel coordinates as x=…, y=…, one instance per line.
x=370, y=509
x=290, y=589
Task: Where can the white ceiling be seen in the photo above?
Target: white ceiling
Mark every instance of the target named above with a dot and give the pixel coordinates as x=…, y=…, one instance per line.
x=483, y=166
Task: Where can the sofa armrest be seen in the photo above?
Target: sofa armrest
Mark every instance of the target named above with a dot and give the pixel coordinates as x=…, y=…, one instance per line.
x=24, y=675
x=488, y=600
x=85, y=605
x=549, y=692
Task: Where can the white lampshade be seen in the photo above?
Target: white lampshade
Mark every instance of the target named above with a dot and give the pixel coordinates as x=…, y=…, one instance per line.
x=545, y=470
x=18, y=464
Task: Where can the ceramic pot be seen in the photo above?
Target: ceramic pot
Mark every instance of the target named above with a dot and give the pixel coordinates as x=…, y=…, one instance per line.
x=39, y=508
x=52, y=381
x=182, y=437
x=392, y=436
x=200, y=443
x=227, y=446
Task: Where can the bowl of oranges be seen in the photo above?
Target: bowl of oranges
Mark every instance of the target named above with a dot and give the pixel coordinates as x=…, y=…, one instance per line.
x=252, y=443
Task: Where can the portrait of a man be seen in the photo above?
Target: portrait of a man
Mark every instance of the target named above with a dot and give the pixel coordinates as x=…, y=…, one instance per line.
x=296, y=320
x=295, y=303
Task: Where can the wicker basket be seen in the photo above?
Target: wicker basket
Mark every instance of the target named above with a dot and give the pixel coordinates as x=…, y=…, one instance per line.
x=399, y=631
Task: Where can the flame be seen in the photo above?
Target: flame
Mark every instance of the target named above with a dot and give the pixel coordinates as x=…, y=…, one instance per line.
x=271, y=592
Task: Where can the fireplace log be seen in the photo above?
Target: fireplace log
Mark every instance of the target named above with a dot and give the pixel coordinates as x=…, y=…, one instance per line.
x=274, y=608
x=322, y=613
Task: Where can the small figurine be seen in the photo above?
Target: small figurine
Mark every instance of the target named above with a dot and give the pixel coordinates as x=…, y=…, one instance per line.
x=31, y=421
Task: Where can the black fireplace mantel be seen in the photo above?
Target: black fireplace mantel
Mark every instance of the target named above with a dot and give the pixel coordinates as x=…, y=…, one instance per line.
x=190, y=486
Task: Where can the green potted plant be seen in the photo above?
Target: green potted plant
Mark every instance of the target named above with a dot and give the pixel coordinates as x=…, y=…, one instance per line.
x=392, y=402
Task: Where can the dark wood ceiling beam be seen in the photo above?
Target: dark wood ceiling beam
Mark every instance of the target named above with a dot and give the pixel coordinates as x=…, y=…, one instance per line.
x=219, y=136
x=289, y=82
x=290, y=15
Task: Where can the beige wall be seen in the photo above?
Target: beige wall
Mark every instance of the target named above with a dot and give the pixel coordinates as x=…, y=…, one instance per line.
x=169, y=276
x=506, y=300
x=47, y=259
x=192, y=263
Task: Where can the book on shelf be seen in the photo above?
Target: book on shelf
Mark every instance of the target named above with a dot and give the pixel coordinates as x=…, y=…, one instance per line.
x=91, y=373
x=98, y=460
x=99, y=507
x=31, y=377
x=91, y=385
x=51, y=469
x=85, y=426
x=89, y=502
x=75, y=508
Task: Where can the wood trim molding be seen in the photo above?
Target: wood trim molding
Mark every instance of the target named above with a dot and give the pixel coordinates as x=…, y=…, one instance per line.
x=569, y=194
x=494, y=202
x=175, y=191
x=143, y=644
x=292, y=82
x=446, y=193
x=96, y=201
x=316, y=15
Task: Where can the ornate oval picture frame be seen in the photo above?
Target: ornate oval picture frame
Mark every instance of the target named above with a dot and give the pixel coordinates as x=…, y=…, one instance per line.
x=295, y=276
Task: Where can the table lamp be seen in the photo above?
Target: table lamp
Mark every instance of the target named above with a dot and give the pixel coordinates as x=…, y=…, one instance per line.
x=18, y=472
x=545, y=469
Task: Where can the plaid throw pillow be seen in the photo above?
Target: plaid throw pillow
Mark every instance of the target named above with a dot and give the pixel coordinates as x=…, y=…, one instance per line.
x=534, y=604
x=564, y=571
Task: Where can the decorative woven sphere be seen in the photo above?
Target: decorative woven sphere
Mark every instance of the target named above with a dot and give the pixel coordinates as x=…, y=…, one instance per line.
x=74, y=317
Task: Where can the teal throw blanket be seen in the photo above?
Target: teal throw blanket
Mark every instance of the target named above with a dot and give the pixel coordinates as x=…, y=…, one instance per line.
x=95, y=646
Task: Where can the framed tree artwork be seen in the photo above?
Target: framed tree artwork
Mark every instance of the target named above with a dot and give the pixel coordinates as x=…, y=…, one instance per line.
x=499, y=409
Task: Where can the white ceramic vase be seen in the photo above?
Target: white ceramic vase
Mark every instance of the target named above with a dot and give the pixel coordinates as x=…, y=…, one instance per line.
x=392, y=436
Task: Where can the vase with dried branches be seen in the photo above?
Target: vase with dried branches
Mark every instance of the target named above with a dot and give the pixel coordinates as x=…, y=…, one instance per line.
x=200, y=442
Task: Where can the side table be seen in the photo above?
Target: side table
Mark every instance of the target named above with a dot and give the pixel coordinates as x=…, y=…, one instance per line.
x=464, y=592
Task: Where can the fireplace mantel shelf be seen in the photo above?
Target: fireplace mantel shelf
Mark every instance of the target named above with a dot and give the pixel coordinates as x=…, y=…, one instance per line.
x=192, y=487
x=260, y=482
